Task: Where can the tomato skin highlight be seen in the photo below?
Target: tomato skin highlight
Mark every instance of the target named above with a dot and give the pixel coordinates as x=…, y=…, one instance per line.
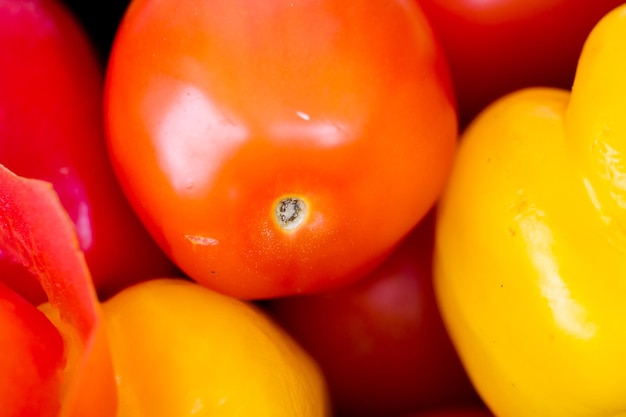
x=381, y=342
x=51, y=128
x=217, y=111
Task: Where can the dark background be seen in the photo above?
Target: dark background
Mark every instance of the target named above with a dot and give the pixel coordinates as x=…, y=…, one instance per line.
x=100, y=19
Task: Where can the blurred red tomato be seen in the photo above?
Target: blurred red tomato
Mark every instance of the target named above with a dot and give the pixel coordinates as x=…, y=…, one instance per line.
x=498, y=46
x=277, y=147
x=51, y=128
x=381, y=342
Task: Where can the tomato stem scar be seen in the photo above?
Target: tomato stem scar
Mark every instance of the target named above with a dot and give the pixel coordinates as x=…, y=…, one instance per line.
x=290, y=212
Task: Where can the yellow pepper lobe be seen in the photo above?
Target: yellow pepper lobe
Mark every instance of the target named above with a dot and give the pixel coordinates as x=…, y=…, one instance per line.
x=595, y=121
x=529, y=277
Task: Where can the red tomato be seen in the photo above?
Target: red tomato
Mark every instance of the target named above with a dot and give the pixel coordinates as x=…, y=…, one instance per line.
x=495, y=47
x=381, y=342
x=276, y=147
x=51, y=128
x=31, y=361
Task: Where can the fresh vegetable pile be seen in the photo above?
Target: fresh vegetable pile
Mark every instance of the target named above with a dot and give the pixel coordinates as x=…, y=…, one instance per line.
x=364, y=208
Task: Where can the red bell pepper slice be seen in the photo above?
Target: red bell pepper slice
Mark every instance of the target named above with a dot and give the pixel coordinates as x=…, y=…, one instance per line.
x=31, y=360
x=37, y=232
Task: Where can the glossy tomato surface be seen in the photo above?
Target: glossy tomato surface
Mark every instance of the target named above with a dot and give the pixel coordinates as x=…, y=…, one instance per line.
x=381, y=342
x=275, y=147
x=51, y=128
x=498, y=46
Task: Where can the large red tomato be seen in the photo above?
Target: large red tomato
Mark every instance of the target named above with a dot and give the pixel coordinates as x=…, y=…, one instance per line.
x=381, y=342
x=276, y=147
x=497, y=46
x=51, y=128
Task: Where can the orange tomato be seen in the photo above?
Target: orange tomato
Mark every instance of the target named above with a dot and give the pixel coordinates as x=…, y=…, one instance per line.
x=275, y=147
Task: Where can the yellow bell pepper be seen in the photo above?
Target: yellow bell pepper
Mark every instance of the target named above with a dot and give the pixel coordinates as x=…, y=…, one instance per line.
x=530, y=262
x=182, y=350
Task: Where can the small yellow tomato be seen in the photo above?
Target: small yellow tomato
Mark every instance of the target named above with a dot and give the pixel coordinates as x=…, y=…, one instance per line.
x=180, y=350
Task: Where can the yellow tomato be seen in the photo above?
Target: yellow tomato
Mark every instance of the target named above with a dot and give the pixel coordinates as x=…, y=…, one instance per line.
x=183, y=350
x=530, y=261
